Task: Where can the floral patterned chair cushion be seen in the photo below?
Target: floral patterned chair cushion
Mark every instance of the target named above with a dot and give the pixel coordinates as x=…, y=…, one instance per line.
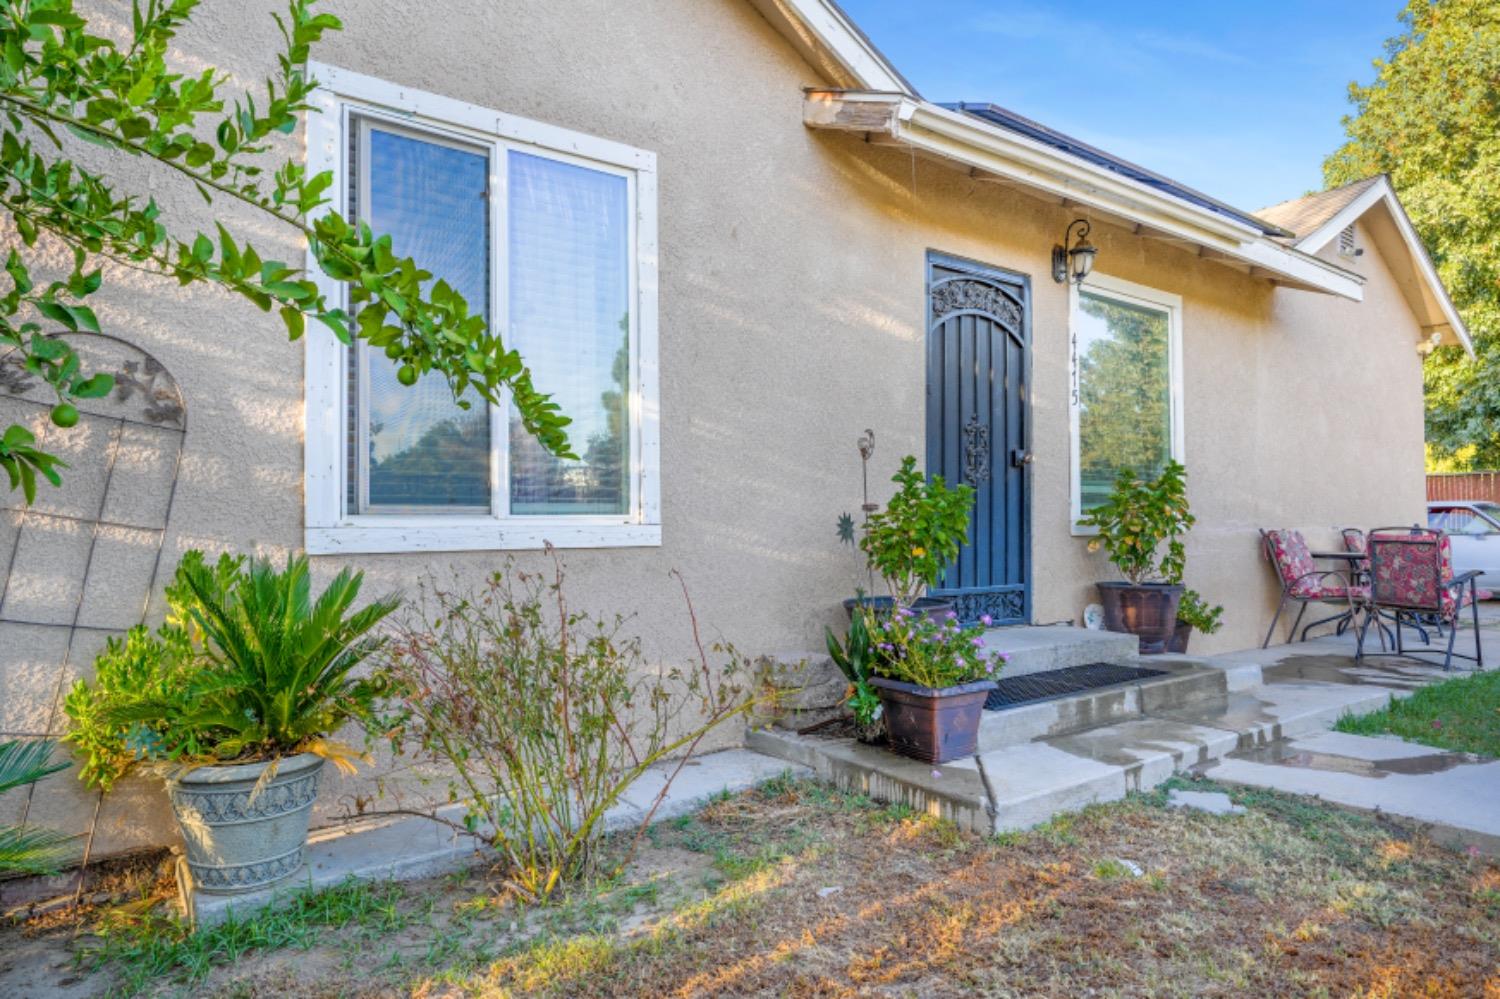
x=1300, y=576
x=1414, y=570
x=1354, y=540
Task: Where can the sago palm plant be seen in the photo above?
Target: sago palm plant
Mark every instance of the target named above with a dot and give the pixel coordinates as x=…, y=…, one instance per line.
x=249, y=666
x=27, y=849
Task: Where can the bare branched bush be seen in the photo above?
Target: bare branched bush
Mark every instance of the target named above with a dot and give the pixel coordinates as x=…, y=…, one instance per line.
x=546, y=715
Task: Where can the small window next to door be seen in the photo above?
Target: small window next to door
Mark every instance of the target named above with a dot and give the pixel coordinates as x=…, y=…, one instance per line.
x=1125, y=400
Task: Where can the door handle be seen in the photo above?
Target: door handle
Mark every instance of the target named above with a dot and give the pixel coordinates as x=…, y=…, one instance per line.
x=1020, y=457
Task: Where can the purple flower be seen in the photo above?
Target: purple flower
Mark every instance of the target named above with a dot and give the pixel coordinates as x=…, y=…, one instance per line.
x=986, y=620
x=978, y=643
x=951, y=615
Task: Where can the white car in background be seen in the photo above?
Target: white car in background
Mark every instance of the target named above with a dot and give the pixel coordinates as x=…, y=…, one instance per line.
x=1474, y=527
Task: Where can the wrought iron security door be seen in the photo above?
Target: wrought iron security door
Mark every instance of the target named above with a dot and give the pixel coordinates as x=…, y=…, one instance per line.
x=978, y=429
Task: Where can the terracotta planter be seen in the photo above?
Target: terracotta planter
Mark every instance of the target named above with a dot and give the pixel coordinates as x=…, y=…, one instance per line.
x=934, y=607
x=1180, y=636
x=934, y=726
x=1146, y=610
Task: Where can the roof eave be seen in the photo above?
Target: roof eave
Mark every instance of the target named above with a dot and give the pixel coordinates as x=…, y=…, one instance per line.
x=995, y=153
x=831, y=41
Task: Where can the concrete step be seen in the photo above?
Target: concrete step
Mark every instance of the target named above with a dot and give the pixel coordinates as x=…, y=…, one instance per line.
x=1186, y=685
x=1035, y=648
x=952, y=791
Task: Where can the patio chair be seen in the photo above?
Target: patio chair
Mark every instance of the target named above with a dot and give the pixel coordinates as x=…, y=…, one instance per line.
x=1303, y=582
x=1354, y=540
x=1412, y=580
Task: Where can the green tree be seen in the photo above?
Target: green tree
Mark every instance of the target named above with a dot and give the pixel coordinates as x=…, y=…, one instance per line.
x=60, y=84
x=1431, y=120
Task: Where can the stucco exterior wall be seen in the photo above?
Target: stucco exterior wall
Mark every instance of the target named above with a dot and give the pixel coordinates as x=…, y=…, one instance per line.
x=792, y=312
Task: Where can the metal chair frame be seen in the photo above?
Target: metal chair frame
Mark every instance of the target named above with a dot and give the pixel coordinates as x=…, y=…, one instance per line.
x=1414, y=614
x=1287, y=594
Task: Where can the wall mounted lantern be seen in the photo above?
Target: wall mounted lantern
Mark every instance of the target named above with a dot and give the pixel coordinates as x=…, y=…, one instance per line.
x=1073, y=263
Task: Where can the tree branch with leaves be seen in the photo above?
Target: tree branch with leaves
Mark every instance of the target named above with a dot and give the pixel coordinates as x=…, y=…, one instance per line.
x=57, y=79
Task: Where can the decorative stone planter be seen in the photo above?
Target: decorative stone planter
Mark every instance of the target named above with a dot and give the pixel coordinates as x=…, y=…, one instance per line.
x=235, y=844
x=934, y=726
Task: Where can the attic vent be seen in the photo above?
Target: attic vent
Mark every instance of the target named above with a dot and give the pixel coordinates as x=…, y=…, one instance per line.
x=1346, y=242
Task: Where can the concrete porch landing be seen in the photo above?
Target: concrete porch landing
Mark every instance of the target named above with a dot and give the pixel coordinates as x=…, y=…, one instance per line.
x=1037, y=648
x=1098, y=746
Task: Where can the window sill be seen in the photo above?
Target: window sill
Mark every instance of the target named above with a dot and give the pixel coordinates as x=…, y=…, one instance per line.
x=415, y=535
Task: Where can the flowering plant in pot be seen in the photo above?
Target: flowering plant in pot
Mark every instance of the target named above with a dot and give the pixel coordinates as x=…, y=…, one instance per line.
x=233, y=701
x=918, y=533
x=1140, y=525
x=932, y=675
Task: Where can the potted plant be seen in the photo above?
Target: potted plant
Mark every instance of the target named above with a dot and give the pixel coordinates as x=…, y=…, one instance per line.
x=233, y=700
x=932, y=675
x=1194, y=614
x=1141, y=525
x=909, y=542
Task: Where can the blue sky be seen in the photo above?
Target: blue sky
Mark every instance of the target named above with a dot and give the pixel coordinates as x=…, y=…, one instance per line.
x=1240, y=100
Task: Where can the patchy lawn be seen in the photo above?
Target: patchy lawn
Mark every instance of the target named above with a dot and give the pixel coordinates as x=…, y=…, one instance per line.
x=798, y=890
x=1461, y=714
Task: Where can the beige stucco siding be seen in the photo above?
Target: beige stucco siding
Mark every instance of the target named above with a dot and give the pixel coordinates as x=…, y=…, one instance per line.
x=791, y=318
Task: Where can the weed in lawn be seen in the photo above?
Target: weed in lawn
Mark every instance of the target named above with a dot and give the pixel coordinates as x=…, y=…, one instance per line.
x=148, y=946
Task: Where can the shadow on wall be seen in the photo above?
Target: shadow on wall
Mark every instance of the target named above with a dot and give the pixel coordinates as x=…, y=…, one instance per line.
x=80, y=564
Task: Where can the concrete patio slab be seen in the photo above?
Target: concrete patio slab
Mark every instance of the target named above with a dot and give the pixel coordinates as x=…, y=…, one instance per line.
x=1453, y=797
x=414, y=847
x=1283, y=710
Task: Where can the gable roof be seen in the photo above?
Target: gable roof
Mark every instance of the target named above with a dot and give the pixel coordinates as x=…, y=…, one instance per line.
x=1303, y=215
x=1318, y=218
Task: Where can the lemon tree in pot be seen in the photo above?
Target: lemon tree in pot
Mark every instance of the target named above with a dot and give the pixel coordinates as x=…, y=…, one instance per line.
x=234, y=700
x=1140, y=525
x=909, y=542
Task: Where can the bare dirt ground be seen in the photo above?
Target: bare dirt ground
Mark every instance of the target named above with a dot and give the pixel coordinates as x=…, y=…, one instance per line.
x=798, y=890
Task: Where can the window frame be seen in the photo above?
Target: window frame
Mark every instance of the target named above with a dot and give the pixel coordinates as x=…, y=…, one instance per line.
x=1128, y=293
x=330, y=528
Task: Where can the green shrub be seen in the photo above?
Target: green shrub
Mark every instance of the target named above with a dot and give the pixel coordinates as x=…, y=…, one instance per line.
x=545, y=716
x=248, y=666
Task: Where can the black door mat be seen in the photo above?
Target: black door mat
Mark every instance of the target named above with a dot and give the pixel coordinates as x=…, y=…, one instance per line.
x=1019, y=690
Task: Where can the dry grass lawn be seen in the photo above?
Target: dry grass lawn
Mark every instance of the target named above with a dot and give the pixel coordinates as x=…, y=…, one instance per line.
x=798, y=890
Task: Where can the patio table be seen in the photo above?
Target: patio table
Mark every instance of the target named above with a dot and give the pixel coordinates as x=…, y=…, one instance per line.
x=1359, y=568
x=1344, y=619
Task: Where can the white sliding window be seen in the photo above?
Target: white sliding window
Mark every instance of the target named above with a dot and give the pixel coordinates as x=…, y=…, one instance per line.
x=1126, y=393
x=552, y=236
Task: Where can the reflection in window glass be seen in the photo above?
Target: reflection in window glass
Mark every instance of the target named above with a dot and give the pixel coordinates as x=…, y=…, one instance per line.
x=569, y=317
x=424, y=450
x=1124, y=393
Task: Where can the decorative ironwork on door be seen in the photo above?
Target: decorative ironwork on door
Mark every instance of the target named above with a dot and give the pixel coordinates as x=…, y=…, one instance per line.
x=976, y=451
x=977, y=352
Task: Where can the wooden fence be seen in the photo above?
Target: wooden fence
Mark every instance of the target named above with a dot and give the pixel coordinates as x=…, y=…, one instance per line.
x=1464, y=486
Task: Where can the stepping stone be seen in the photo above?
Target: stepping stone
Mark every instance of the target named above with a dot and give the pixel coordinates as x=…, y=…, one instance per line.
x=1212, y=802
